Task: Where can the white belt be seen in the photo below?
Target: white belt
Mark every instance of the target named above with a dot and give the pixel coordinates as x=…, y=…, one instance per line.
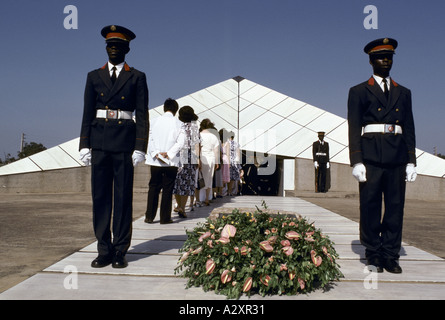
x=383, y=128
x=320, y=154
x=114, y=114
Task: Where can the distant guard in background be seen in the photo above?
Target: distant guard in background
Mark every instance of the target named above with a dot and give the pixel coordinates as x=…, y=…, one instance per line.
x=382, y=144
x=320, y=155
x=112, y=142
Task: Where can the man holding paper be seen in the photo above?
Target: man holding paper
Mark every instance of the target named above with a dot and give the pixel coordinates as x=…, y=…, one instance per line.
x=165, y=141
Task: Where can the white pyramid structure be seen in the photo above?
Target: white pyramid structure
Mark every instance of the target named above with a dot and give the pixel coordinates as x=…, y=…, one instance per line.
x=262, y=119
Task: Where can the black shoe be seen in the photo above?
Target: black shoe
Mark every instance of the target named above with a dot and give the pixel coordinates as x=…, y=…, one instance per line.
x=375, y=264
x=182, y=214
x=119, y=260
x=101, y=261
x=391, y=265
x=148, y=221
x=167, y=222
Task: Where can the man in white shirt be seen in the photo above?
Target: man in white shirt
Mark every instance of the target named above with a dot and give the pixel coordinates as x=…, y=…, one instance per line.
x=165, y=141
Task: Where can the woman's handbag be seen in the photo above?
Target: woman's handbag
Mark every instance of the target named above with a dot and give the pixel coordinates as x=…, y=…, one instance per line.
x=201, y=182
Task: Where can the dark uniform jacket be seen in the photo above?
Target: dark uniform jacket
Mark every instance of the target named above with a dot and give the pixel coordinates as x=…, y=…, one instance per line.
x=320, y=152
x=367, y=104
x=129, y=93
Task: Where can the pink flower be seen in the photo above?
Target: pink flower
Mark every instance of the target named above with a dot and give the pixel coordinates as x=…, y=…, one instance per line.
x=244, y=250
x=315, y=259
x=210, y=266
x=196, y=251
x=204, y=236
x=301, y=282
x=285, y=243
x=288, y=250
x=228, y=231
x=236, y=249
x=292, y=275
x=265, y=280
x=325, y=250
x=226, y=276
x=265, y=245
x=272, y=239
x=184, y=256
x=292, y=235
x=210, y=243
x=247, y=284
x=283, y=266
x=223, y=240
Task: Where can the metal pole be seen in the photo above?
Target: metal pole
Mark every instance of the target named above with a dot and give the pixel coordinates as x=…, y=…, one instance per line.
x=238, y=79
x=22, y=142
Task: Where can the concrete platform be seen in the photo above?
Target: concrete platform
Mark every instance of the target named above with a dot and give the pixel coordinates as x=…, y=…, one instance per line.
x=154, y=254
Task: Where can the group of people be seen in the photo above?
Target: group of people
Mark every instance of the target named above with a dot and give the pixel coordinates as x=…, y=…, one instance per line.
x=113, y=141
x=189, y=161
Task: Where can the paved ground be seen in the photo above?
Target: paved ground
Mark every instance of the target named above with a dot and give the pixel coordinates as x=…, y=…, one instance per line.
x=38, y=230
x=424, y=221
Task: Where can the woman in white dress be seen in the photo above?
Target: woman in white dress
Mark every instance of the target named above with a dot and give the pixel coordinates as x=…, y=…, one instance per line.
x=209, y=155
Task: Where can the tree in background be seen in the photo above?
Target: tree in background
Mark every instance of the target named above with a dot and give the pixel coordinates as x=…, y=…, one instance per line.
x=28, y=150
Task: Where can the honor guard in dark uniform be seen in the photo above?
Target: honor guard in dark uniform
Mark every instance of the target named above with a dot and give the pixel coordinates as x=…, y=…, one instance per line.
x=382, y=145
x=113, y=139
x=320, y=155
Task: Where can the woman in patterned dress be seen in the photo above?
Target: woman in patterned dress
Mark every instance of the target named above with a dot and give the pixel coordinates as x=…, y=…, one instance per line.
x=185, y=183
x=233, y=150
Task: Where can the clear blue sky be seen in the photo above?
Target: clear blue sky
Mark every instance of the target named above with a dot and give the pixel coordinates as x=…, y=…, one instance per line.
x=309, y=50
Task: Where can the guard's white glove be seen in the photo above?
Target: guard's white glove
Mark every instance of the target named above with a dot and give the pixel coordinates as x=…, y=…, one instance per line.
x=328, y=165
x=411, y=173
x=138, y=156
x=316, y=165
x=85, y=156
x=359, y=172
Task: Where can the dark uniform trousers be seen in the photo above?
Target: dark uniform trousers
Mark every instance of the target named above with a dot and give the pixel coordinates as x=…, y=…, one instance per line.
x=112, y=170
x=161, y=178
x=382, y=236
x=385, y=156
x=112, y=142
